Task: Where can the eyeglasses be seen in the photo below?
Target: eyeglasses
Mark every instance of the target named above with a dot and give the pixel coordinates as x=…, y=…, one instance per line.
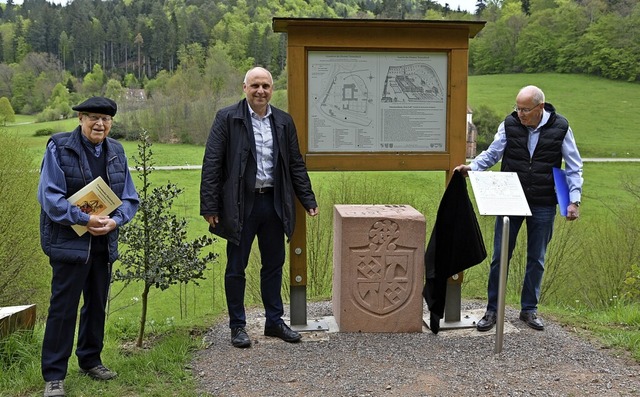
x=95, y=118
x=524, y=110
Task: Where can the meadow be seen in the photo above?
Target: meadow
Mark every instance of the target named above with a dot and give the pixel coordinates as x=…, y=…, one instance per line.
x=586, y=266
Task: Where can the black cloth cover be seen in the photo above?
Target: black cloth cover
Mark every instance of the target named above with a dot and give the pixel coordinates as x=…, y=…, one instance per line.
x=455, y=245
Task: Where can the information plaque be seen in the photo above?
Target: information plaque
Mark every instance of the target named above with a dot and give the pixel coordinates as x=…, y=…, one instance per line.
x=499, y=193
x=377, y=101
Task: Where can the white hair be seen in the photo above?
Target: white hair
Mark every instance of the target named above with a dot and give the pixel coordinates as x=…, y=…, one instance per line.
x=534, y=92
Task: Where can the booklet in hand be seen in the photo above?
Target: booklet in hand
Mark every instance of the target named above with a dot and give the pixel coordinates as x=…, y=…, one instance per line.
x=96, y=198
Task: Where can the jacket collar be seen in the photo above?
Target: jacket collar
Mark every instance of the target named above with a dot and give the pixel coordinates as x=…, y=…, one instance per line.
x=75, y=142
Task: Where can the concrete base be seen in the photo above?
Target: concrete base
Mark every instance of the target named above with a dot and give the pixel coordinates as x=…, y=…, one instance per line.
x=312, y=326
x=467, y=320
x=467, y=325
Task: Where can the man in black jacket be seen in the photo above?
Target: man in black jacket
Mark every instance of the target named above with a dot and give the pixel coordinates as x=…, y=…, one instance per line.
x=251, y=173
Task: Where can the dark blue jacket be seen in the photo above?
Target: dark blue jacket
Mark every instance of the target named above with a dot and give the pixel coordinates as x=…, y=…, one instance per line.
x=59, y=241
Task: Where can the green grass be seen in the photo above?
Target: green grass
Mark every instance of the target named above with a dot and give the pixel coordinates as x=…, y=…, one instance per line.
x=603, y=114
x=150, y=371
x=618, y=327
x=25, y=128
x=178, y=315
x=169, y=154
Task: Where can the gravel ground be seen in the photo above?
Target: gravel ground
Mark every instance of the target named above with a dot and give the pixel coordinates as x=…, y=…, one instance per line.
x=462, y=362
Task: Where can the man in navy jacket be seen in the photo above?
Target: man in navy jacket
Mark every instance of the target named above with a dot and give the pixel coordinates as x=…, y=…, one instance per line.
x=81, y=264
x=252, y=172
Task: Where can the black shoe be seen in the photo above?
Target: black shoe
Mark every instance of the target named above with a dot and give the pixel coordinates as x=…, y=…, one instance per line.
x=487, y=321
x=532, y=320
x=99, y=372
x=240, y=338
x=283, y=332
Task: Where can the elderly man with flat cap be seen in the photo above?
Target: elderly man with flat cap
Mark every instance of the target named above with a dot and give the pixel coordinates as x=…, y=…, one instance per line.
x=81, y=265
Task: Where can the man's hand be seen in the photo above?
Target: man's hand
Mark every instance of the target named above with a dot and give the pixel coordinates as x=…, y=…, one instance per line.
x=463, y=168
x=100, y=225
x=212, y=220
x=313, y=211
x=573, y=212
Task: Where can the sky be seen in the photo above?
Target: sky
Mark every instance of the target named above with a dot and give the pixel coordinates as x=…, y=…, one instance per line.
x=465, y=5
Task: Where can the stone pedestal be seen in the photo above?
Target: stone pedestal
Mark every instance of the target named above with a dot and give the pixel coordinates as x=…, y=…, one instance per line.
x=378, y=268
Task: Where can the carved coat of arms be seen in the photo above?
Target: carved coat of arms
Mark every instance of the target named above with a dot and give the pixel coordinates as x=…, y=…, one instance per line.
x=383, y=270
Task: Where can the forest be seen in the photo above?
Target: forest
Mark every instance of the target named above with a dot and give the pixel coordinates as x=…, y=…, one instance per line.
x=172, y=63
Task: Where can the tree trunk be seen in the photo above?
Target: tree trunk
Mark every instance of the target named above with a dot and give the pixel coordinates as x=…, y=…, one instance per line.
x=143, y=316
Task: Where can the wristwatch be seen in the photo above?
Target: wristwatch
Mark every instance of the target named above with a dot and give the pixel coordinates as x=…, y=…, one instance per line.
x=576, y=203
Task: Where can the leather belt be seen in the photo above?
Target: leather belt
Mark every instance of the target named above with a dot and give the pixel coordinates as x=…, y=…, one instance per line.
x=264, y=190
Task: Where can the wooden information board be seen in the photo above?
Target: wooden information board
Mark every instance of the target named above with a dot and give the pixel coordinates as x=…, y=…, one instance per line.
x=375, y=95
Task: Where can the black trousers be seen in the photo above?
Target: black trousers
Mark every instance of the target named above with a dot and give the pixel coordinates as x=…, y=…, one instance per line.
x=68, y=282
x=264, y=223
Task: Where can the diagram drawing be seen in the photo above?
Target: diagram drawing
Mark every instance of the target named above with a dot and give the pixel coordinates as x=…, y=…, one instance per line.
x=417, y=82
x=346, y=97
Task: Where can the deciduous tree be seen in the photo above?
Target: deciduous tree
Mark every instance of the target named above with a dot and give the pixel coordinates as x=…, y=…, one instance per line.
x=158, y=253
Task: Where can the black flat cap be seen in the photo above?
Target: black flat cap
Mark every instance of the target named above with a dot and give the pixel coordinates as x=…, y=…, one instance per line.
x=97, y=104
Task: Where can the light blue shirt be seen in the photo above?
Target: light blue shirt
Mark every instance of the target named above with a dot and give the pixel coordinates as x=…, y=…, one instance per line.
x=264, y=148
x=570, y=155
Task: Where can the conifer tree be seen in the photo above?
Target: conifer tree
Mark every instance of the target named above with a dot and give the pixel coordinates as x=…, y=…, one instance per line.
x=6, y=111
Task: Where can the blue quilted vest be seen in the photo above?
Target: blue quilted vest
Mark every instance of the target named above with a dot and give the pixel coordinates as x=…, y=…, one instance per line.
x=60, y=242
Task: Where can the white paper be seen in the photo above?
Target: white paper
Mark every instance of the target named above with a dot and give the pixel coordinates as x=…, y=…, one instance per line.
x=499, y=193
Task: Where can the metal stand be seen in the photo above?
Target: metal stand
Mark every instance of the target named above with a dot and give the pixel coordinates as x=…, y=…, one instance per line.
x=452, y=307
x=453, y=300
x=453, y=316
x=298, y=307
x=298, y=312
x=502, y=286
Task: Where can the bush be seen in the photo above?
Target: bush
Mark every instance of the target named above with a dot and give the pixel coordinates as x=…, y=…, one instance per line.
x=158, y=252
x=487, y=122
x=57, y=112
x=119, y=132
x=21, y=260
x=44, y=132
x=632, y=284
